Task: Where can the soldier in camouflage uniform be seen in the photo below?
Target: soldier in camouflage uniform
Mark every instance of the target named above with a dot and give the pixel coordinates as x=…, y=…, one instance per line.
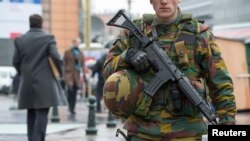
x=168, y=116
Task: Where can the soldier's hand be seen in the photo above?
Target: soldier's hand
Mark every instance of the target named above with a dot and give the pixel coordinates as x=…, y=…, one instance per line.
x=138, y=59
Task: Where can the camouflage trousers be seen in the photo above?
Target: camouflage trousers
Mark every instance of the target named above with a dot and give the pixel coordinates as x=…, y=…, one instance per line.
x=135, y=138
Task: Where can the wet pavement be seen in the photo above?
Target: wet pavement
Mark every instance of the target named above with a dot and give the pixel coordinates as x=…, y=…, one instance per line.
x=69, y=128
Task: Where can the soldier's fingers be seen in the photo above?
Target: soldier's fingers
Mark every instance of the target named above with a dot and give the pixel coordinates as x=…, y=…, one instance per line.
x=146, y=63
x=137, y=64
x=154, y=64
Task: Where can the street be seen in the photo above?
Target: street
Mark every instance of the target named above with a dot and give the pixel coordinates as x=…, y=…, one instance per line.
x=69, y=128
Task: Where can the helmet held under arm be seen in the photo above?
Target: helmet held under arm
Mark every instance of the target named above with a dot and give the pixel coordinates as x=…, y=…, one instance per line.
x=123, y=93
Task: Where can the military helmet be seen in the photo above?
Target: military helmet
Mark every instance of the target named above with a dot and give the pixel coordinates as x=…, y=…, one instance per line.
x=121, y=92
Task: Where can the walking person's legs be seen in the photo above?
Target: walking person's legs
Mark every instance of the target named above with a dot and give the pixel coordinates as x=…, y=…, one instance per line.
x=99, y=93
x=72, y=93
x=98, y=102
x=30, y=123
x=40, y=125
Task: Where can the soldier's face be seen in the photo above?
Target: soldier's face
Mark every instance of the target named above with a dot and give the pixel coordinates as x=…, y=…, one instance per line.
x=165, y=9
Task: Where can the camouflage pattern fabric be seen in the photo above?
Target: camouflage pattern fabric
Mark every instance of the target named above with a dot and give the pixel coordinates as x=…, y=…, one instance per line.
x=124, y=92
x=135, y=138
x=205, y=68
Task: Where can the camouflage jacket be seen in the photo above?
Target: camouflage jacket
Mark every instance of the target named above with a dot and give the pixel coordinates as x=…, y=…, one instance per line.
x=204, y=66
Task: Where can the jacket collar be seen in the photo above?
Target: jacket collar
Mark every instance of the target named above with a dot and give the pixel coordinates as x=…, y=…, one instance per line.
x=182, y=17
x=35, y=30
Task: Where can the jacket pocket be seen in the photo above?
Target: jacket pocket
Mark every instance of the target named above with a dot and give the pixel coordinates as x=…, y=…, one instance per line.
x=187, y=107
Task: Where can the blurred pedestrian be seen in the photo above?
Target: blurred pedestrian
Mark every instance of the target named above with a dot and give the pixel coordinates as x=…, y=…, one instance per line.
x=97, y=69
x=74, y=67
x=39, y=90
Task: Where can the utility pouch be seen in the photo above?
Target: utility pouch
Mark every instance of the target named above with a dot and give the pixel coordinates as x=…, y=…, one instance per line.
x=180, y=48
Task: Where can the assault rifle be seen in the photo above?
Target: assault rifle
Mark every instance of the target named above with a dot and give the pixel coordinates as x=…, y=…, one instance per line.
x=167, y=70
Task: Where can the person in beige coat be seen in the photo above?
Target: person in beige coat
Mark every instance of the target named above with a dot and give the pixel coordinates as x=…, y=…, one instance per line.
x=73, y=67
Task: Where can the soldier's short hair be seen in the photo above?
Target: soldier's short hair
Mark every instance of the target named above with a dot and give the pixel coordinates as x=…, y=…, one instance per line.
x=36, y=21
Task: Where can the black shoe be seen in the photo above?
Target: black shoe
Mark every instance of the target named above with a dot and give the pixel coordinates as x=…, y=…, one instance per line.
x=98, y=111
x=72, y=112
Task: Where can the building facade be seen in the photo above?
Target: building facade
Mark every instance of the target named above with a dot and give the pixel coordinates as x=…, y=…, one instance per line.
x=61, y=18
x=219, y=12
x=202, y=10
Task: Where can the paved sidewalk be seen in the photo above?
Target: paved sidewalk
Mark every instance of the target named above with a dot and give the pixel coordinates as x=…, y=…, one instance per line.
x=73, y=134
x=70, y=128
x=19, y=116
x=103, y=134
x=21, y=129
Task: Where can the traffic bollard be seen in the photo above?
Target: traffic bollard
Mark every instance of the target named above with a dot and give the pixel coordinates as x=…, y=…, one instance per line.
x=91, y=129
x=55, y=115
x=111, y=121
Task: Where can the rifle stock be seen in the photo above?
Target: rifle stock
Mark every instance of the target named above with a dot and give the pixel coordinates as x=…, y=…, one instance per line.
x=167, y=70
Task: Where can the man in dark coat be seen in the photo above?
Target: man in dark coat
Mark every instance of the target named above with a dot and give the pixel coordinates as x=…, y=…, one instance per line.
x=39, y=90
x=97, y=68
